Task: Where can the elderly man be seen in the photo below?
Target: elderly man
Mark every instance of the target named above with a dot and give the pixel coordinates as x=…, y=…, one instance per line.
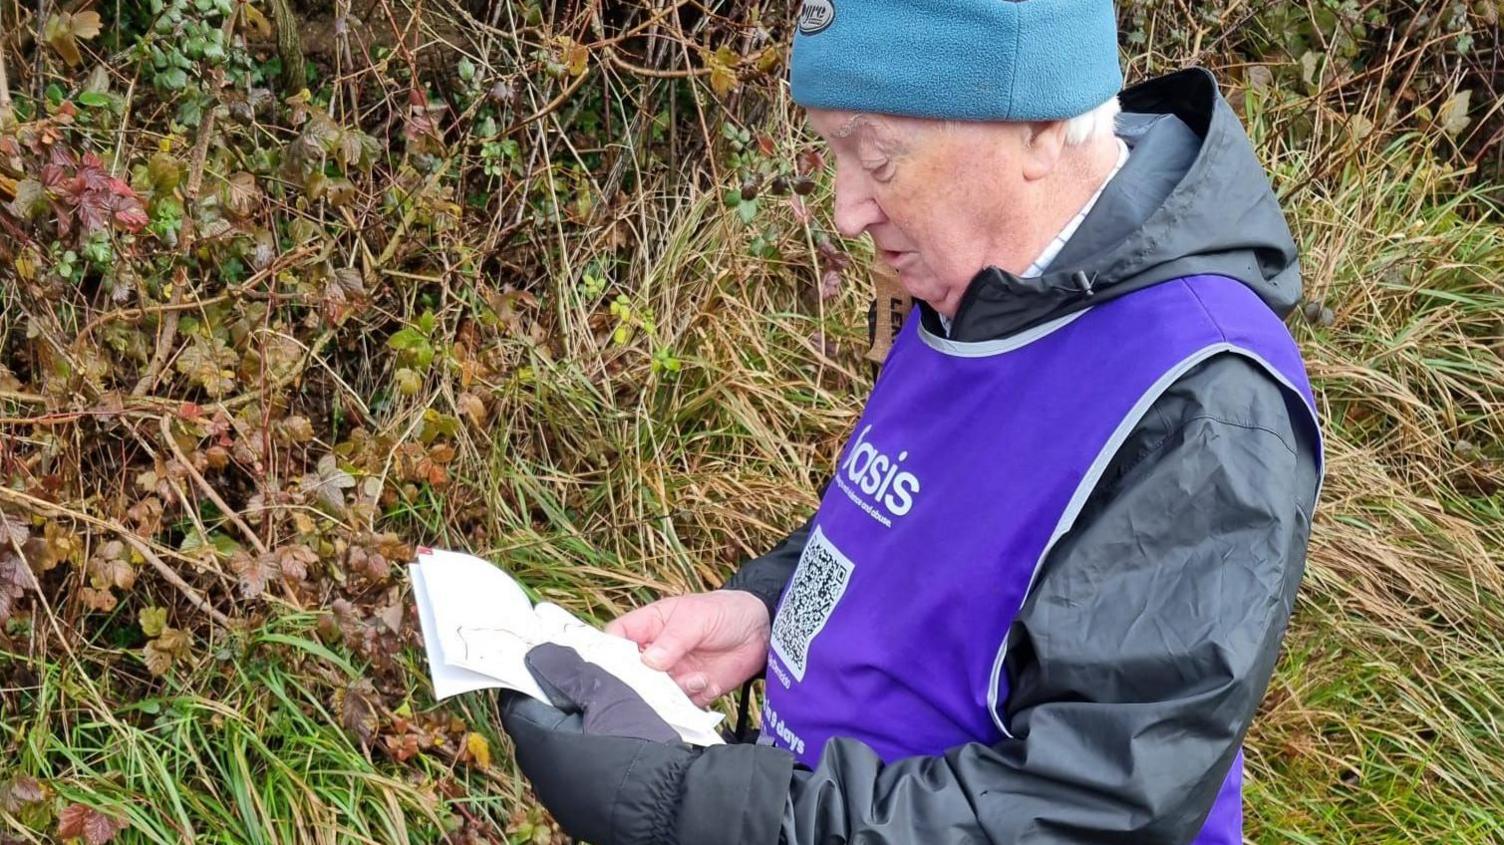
x=1045, y=589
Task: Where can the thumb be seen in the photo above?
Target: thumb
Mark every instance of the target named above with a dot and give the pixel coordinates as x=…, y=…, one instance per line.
x=609, y=705
x=642, y=625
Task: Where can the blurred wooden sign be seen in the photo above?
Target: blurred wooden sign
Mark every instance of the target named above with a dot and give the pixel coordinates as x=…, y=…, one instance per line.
x=892, y=303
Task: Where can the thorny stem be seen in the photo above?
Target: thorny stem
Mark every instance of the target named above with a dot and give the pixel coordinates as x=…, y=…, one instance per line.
x=169, y=331
x=168, y=336
x=168, y=573
x=40, y=39
x=208, y=489
x=7, y=117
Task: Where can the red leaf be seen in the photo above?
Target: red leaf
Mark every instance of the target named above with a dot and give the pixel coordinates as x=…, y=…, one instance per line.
x=53, y=175
x=62, y=156
x=15, y=579
x=79, y=822
x=810, y=162
x=357, y=711
x=129, y=212
x=92, y=215
x=20, y=791
x=132, y=219
x=93, y=175
x=402, y=748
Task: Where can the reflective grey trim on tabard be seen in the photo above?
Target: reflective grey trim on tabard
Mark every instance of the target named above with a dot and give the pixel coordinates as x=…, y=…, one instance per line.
x=1105, y=456
x=987, y=348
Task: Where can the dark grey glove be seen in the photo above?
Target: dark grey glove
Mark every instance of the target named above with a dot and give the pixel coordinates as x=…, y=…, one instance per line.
x=612, y=772
x=607, y=705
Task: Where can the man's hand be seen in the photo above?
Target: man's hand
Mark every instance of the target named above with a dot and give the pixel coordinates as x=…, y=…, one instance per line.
x=710, y=643
x=614, y=773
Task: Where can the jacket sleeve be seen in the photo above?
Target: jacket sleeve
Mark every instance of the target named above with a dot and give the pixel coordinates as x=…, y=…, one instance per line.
x=767, y=575
x=1139, y=657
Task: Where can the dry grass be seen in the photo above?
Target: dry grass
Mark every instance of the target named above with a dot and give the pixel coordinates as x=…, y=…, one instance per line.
x=606, y=479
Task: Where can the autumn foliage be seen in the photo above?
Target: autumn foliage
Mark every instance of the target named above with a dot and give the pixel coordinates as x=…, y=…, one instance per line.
x=555, y=283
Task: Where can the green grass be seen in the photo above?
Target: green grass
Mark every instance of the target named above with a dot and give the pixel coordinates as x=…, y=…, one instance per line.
x=249, y=749
x=604, y=482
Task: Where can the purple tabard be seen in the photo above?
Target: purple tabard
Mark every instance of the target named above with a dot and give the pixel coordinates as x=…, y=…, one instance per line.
x=969, y=462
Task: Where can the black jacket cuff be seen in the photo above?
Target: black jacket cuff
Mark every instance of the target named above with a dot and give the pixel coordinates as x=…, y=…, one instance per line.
x=735, y=795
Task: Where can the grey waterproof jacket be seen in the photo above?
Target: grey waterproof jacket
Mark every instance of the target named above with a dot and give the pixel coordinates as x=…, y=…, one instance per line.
x=1135, y=676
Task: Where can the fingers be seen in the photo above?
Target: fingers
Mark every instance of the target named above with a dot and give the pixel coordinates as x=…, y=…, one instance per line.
x=669, y=647
x=707, y=694
x=692, y=682
x=667, y=630
x=700, y=686
x=520, y=712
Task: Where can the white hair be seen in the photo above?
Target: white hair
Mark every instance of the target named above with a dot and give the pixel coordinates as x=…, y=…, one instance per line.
x=1100, y=122
x=1095, y=123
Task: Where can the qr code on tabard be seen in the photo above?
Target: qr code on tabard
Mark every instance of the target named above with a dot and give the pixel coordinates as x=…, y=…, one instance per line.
x=817, y=585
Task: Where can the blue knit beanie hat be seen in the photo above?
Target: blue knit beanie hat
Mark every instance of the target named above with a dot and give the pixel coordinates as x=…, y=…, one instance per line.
x=957, y=59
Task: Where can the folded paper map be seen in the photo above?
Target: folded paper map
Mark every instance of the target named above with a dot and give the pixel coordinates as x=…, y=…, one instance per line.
x=478, y=625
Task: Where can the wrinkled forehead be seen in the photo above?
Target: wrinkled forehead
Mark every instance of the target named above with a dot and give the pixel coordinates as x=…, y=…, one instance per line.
x=833, y=125
x=839, y=126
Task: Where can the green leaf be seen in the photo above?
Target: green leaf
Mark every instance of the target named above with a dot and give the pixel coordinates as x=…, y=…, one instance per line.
x=191, y=112
x=224, y=543
x=164, y=171
x=436, y=424
x=407, y=339
x=153, y=620
x=408, y=382
x=94, y=99
x=173, y=79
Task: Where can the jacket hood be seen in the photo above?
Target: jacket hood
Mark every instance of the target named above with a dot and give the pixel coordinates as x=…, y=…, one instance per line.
x=1192, y=198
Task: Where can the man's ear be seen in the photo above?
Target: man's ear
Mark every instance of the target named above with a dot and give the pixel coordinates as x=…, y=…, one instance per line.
x=1044, y=140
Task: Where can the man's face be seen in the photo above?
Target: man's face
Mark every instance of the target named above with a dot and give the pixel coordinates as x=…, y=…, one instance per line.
x=939, y=202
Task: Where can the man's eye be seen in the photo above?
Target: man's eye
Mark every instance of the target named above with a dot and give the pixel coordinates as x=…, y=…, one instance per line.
x=880, y=168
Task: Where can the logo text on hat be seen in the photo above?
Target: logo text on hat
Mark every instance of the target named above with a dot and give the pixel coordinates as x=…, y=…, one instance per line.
x=816, y=15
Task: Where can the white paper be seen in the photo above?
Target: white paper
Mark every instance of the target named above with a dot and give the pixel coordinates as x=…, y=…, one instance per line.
x=447, y=680
x=478, y=625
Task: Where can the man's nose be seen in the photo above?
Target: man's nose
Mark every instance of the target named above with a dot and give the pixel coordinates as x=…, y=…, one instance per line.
x=855, y=207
